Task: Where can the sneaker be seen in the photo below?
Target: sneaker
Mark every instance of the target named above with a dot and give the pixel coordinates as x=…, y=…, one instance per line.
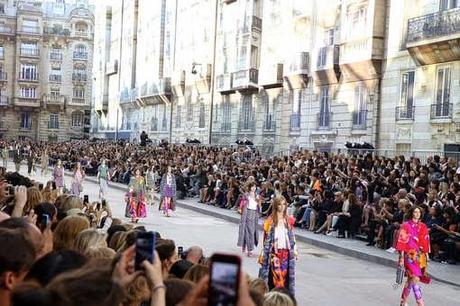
x=391, y=250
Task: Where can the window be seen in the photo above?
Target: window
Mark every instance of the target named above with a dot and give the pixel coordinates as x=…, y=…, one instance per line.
x=28, y=72
x=26, y=121
x=55, y=94
x=254, y=57
x=154, y=119
x=329, y=37
x=80, y=48
x=79, y=92
x=28, y=92
x=269, y=120
x=356, y=19
x=247, y=114
x=226, y=115
x=296, y=97
x=2, y=8
x=406, y=101
x=324, y=113
x=202, y=120
x=178, y=116
x=77, y=119
x=448, y=4
x=2, y=51
x=164, y=122
x=443, y=92
x=189, y=111
x=30, y=26
x=54, y=121
x=242, y=58
x=360, y=106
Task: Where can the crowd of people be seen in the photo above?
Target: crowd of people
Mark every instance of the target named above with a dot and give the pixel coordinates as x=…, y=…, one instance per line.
x=362, y=196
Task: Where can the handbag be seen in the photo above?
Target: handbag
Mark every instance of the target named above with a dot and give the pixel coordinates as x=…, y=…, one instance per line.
x=400, y=272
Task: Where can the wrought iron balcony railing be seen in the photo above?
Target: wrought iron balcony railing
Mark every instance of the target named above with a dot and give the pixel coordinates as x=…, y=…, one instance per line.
x=80, y=55
x=433, y=25
x=55, y=78
x=30, y=52
x=359, y=119
x=28, y=76
x=405, y=113
x=441, y=111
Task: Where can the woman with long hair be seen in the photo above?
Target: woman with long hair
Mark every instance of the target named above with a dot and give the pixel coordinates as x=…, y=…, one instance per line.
x=136, y=207
x=168, y=192
x=248, y=236
x=279, y=252
x=413, y=246
x=77, y=181
x=58, y=176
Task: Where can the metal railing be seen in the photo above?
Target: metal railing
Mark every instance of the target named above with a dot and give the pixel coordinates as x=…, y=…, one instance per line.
x=78, y=76
x=359, y=119
x=433, y=25
x=28, y=76
x=55, y=78
x=30, y=52
x=53, y=125
x=405, y=113
x=80, y=33
x=76, y=100
x=324, y=120
x=294, y=122
x=441, y=111
x=3, y=76
x=81, y=55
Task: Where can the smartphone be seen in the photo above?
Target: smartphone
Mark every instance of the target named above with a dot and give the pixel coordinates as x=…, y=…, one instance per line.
x=225, y=280
x=104, y=203
x=145, y=247
x=98, y=206
x=10, y=190
x=85, y=199
x=45, y=220
x=180, y=251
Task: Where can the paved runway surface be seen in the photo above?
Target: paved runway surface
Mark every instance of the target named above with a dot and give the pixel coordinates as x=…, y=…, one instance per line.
x=322, y=277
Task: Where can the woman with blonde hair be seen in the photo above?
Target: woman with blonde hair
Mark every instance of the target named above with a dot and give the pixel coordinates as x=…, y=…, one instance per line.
x=277, y=299
x=71, y=202
x=101, y=253
x=67, y=230
x=34, y=197
x=89, y=238
x=117, y=241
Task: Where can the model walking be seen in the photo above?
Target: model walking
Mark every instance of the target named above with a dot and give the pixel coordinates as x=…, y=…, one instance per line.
x=103, y=176
x=168, y=192
x=136, y=197
x=279, y=252
x=77, y=181
x=248, y=236
x=44, y=160
x=5, y=153
x=413, y=246
x=58, y=176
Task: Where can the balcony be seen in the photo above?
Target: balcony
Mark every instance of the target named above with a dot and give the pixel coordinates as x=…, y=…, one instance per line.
x=34, y=30
x=203, y=80
x=441, y=111
x=272, y=77
x=432, y=38
x=27, y=102
x=3, y=76
x=80, y=55
x=324, y=120
x=359, y=119
x=54, y=101
x=155, y=92
x=327, y=69
x=404, y=113
x=28, y=77
x=30, y=52
x=55, y=78
x=252, y=24
x=224, y=83
x=294, y=122
x=111, y=67
x=78, y=101
x=246, y=79
x=79, y=77
x=53, y=125
x=56, y=56
x=297, y=70
x=56, y=31
x=81, y=33
x=6, y=30
x=4, y=101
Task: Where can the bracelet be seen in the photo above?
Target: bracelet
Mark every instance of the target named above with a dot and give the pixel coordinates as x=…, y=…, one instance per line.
x=155, y=288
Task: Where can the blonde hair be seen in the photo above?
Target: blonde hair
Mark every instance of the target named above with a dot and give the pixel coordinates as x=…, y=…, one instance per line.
x=258, y=285
x=117, y=241
x=196, y=273
x=104, y=253
x=71, y=202
x=89, y=238
x=34, y=197
x=67, y=230
x=277, y=299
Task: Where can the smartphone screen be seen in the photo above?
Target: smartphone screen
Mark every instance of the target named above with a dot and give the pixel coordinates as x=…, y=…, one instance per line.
x=45, y=220
x=145, y=246
x=85, y=199
x=98, y=206
x=180, y=251
x=224, y=280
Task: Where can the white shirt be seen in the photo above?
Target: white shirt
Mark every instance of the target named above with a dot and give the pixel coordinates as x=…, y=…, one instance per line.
x=281, y=236
x=252, y=203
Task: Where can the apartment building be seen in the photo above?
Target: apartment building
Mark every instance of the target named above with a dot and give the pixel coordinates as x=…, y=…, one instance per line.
x=281, y=73
x=45, y=69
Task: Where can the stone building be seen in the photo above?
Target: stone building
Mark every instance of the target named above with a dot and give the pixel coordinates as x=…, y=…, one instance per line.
x=45, y=69
x=281, y=73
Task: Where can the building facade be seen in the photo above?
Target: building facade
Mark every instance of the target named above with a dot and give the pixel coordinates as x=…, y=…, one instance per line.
x=45, y=69
x=281, y=73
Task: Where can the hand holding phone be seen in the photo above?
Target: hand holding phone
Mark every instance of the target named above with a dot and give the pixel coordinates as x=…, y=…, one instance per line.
x=224, y=281
x=145, y=248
